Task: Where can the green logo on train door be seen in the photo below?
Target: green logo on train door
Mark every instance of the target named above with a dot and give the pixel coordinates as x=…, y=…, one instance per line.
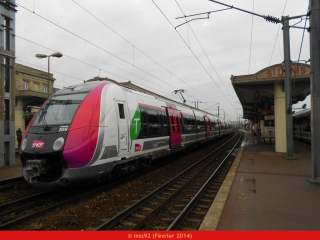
x=135, y=125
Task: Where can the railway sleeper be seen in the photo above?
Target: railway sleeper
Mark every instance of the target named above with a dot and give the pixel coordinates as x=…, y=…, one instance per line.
x=209, y=195
x=194, y=220
x=202, y=213
x=160, y=227
x=189, y=229
x=138, y=216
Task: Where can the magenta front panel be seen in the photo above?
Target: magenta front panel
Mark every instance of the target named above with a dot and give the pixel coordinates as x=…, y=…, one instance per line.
x=83, y=133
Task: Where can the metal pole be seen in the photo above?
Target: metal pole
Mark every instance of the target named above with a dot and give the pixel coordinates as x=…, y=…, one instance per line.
x=287, y=85
x=48, y=73
x=315, y=89
x=218, y=111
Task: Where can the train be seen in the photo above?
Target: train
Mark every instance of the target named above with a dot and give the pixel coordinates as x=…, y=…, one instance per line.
x=302, y=126
x=100, y=129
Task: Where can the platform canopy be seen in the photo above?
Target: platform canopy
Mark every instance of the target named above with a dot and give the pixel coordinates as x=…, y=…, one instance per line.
x=256, y=91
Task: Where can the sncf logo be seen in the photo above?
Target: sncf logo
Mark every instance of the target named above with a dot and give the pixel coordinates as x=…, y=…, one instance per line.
x=37, y=144
x=137, y=148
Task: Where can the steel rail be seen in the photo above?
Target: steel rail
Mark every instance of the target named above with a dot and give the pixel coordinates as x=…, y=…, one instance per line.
x=134, y=207
x=184, y=213
x=22, y=200
x=8, y=181
x=79, y=197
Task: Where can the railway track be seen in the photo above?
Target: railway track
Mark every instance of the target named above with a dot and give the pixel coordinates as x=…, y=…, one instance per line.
x=15, y=213
x=12, y=183
x=144, y=211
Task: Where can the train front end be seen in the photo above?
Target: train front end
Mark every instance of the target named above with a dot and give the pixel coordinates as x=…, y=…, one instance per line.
x=61, y=139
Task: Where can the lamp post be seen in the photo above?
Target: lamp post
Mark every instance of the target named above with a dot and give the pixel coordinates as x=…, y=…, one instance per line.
x=57, y=54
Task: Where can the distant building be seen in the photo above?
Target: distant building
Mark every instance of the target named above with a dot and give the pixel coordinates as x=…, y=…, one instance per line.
x=31, y=91
x=7, y=82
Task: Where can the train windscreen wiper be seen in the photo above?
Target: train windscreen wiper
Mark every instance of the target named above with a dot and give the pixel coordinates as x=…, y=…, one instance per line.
x=42, y=116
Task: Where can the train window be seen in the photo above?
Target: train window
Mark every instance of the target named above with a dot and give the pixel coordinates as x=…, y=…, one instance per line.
x=144, y=124
x=154, y=124
x=194, y=122
x=121, y=110
x=190, y=125
x=165, y=124
x=182, y=119
x=212, y=125
x=172, y=123
x=203, y=125
x=59, y=109
x=305, y=125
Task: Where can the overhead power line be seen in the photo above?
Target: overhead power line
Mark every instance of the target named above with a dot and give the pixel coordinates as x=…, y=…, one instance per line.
x=267, y=18
x=88, y=65
x=251, y=39
x=108, y=51
x=204, y=52
x=93, y=44
x=277, y=33
x=193, y=53
x=135, y=47
x=136, y=83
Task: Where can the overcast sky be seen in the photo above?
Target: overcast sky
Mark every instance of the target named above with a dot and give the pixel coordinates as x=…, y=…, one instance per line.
x=135, y=40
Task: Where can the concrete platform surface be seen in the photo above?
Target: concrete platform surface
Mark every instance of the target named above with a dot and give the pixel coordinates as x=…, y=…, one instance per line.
x=269, y=192
x=8, y=172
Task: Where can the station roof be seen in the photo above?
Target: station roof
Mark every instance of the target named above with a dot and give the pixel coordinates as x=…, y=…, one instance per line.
x=256, y=91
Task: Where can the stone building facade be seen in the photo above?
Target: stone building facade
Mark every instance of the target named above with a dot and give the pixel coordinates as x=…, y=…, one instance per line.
x=31, y=91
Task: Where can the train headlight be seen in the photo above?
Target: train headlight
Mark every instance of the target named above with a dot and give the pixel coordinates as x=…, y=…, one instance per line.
x=58, y=144
x=24, y=144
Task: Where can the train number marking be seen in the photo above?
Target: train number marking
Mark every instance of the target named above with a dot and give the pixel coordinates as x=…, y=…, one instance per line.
x=63, y=129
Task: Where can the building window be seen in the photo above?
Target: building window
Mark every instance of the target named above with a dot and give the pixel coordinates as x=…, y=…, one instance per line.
x=25, y=85
x=6, y=117
x=6, y=74
x=45, y=89
x=6, y=34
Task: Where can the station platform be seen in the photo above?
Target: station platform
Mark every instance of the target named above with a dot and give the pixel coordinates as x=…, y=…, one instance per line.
x=14, y=171
x=266, y=191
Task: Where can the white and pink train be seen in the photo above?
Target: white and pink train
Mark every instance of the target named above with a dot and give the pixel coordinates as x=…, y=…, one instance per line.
x=100, y=129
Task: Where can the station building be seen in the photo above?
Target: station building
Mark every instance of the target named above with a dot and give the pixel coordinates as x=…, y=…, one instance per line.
x=262, y=96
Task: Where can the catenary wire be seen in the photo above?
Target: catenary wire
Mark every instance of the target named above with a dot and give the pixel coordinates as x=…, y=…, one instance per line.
x=204, y=52
x=94, y=44
x=251, y=39
x=105, y=50
x=277, y=33
x=135, y=47
x=193, y=53
x=86, y=64
x=83, y=80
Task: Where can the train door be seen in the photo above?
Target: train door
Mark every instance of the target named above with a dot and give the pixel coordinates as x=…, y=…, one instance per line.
x=207, y=122
x=122, y=116
x=175, y=127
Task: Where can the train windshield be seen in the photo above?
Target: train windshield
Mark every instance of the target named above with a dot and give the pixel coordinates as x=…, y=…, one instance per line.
x=59, y=110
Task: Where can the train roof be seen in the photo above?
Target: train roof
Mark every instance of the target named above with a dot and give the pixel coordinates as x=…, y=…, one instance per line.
x=302, y=113
x=134, y=87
